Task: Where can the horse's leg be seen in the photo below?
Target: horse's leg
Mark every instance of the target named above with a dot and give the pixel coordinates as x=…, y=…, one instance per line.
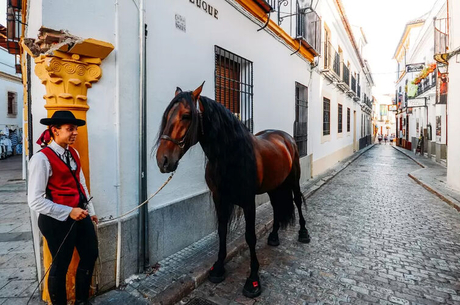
x=217, y=272
x=273, y=239
x=252, y=287
x=304, y=237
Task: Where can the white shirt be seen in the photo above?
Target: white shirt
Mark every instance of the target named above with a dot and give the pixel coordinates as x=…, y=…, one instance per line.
x=39, y=173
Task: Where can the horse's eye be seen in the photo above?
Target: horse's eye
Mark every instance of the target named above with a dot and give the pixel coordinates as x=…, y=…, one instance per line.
x=186, y=117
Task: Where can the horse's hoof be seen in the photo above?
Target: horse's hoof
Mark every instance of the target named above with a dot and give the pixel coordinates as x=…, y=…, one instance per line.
x=252, y=288
x=304, y=237
x=273, y=239
x=216, y=274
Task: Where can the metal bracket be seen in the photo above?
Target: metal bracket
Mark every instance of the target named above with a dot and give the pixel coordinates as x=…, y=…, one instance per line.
x=266, y=23
x=300, y=45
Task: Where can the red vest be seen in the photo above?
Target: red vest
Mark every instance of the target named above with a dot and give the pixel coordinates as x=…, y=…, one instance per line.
x=62, y=187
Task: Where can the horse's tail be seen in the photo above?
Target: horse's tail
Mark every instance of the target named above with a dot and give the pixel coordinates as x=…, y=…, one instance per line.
x=283, y=206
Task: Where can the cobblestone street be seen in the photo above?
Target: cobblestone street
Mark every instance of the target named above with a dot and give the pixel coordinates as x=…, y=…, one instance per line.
x=377, y=237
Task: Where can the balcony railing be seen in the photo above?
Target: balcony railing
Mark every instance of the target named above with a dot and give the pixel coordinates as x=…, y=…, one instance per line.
x=267, y=5
x=309, y=29
x=427, y=83
x=346, y=74
x=353, y=84
x=441, y=36
x=331, y=59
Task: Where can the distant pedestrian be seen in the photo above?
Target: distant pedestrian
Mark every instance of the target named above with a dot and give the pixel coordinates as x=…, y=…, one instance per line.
x=386, y=139
x=57, y=190
x=380, y=138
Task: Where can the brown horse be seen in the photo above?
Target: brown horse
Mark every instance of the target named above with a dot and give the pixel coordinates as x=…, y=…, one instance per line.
x=240, y=165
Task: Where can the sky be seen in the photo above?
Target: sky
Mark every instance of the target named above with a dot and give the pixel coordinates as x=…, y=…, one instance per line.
x=383, y=24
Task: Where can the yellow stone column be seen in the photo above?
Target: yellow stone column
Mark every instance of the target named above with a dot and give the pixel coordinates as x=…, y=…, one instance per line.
x=67, y=76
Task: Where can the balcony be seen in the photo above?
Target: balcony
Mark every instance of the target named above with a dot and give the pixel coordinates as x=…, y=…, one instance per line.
x=345, y=74
x=441, y=39
x=267, y=5
x=426, y=84
x=331, y=62
x=309, y=30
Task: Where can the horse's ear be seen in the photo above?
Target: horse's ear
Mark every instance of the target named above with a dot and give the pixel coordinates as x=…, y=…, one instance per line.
x=178, y=90
x=197, y=92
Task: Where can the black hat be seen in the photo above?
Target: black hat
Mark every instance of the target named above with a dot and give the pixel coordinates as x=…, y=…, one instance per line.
x=62, y=117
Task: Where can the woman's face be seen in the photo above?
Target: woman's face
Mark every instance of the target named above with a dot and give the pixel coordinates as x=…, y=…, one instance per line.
x=66, y=135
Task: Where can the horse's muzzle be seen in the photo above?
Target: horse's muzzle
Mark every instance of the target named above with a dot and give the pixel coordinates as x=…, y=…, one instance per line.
x=165, y=164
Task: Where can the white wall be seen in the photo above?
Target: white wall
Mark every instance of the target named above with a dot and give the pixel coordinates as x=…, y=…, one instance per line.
x=453, y=147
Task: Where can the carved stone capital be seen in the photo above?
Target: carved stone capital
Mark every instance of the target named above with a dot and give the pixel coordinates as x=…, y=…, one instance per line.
x=67, y=79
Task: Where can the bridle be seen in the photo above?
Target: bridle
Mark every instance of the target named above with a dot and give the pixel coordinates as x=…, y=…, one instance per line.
x=181, y=143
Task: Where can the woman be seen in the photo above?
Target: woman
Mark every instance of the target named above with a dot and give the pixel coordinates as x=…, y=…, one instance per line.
x=58, y=192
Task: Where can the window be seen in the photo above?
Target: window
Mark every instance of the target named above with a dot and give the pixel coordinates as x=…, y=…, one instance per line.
x=12, y=104
x=340, y=119
x=348, y=119
x=326, y=117
x=234, y=84
x=301, y=118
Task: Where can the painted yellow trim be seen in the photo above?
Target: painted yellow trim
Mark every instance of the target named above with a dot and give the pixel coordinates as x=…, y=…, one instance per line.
x=257, y=12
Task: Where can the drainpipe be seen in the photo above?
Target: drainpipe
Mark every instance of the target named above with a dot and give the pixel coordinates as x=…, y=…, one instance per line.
x=118, y=148
x=143, y=253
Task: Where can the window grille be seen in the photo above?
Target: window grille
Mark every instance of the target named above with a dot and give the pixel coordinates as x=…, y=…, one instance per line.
x=348, y=119
x=301, y=118
x=326, y=117
x=12, y=104
x=234, y=85
x=340, y=119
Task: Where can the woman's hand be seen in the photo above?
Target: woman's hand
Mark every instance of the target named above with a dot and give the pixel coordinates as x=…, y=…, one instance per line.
x=78, y=214
x=95, y=219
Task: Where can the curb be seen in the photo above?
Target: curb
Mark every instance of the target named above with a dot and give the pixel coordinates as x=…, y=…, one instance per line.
x=447, y=199
x=444, y=198
x=409, y=156
x=187, y=283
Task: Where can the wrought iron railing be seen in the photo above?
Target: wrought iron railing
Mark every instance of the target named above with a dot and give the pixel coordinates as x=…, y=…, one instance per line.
x=309, y=28
x=353, y=84
x=345, y=74
x=441, y=35
x=331, y=58
x=427, y=83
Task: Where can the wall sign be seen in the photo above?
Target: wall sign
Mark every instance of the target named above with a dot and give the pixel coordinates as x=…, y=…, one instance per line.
x=416, y=102
x=392, y=108
x=180, y=23
x=206, y=7
x=414, y=67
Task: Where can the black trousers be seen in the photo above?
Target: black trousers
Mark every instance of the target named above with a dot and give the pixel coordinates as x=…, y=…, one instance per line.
x=83, y=237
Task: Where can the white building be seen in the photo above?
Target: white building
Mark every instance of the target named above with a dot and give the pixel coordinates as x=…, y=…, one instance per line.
x=282, y=83
x=453, y=96
x=11, y=96
x=420, y=110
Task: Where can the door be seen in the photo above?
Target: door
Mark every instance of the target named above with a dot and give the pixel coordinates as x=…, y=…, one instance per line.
x=354, y=130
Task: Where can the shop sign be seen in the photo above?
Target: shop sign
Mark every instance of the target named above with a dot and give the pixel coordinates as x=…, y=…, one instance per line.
x=392, y=107
x=416, y=102
x=441, y=88
x=206, y=7
x=414, y=67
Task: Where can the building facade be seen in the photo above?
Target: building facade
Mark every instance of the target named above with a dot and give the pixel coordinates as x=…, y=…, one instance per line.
x=11, y=92
x=422, y=112
x=266, y=70
x=453, y=94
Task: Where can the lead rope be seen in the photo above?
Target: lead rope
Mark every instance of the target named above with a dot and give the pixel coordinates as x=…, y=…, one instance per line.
x=151, y=196
x=98, y=270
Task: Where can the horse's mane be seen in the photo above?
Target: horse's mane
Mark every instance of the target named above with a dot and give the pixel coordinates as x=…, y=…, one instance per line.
x=228, y=146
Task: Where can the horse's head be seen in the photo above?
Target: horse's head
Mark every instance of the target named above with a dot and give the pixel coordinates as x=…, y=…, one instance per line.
x=179, y=128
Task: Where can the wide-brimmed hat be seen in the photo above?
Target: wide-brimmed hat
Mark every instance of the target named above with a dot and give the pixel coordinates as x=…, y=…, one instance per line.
x=62, y=117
